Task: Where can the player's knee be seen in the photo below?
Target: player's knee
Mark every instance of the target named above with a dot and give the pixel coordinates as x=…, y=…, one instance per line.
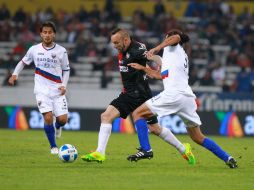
x=105, y=118
x=48, y=118
x=137, y=115
x=154, y=129
x=62, y=121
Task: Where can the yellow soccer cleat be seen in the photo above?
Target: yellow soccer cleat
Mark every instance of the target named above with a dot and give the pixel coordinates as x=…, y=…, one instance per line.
x=188, y=155
x=94, y=157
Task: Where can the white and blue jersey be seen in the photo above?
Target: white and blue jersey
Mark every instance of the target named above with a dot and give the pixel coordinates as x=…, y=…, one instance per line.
x=49, y=65
x=175, y=71
x=177, y=96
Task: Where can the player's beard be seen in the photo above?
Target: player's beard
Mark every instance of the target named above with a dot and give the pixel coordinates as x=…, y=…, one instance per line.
x=48, y=43
x=121, y=50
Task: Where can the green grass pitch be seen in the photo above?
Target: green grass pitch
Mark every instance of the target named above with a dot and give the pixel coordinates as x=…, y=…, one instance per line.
x=25, y=163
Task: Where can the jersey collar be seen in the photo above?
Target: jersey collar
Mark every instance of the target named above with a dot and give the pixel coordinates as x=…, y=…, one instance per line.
x=49, y=48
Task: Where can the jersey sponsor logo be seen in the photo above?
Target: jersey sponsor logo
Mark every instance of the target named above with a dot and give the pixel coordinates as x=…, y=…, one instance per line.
x=164, y=74
x=44, y=59
x=40, y=53
x=123, y=69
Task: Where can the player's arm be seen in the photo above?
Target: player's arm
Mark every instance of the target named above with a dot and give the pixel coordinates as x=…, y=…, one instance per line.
x=20, y=66
x=26, y=60
x=66, y=73
x=167, y=42
x=150, y=72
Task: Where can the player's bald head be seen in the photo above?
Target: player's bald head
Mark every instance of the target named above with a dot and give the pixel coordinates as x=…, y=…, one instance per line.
x=123, y=33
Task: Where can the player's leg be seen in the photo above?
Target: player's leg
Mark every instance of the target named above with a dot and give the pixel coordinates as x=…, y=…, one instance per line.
x=183, y=148
x=163, y=105
x=60, y=122
x=50, y=131
x=192, y=121
x=166, y=135
x=140, y=116
x=145, y=150
x=45, y=105
x=107, y=118
x=61, y=113
x=197, y=136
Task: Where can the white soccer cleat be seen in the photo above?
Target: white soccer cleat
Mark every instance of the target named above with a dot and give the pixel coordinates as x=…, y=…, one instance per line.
x=58, y=132
x=54, y=150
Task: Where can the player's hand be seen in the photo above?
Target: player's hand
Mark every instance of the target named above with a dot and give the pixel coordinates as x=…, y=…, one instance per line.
x=149, y=56
x=152, y=52
x=62, y=89
x=12, y=80
x=136, y=66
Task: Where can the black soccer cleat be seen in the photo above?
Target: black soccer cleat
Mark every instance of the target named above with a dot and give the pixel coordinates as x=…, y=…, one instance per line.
x=141, y=154
x=232, y=163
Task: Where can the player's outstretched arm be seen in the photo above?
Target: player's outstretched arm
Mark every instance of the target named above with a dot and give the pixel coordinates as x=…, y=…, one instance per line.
x=167, y=42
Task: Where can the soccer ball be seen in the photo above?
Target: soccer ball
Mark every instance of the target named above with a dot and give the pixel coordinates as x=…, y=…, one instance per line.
x=68, y=153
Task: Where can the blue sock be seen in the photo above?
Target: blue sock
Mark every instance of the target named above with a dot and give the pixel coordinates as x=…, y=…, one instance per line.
x=50, y=132
x=142, y=131
x=57, y=125
x=216, y=149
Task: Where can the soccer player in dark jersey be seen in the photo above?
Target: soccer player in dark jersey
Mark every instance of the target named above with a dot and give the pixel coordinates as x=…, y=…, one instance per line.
x=135, y=92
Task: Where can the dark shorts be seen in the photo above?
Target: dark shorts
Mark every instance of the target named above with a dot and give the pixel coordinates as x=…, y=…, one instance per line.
x=126, y=103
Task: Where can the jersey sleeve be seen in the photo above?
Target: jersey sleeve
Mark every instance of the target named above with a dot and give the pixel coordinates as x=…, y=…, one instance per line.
x=28, y=58
x=65, y=61
x=141, y=52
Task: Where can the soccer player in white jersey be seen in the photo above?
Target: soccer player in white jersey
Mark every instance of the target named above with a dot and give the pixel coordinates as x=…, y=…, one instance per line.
x=177, y=96
x=51, y=77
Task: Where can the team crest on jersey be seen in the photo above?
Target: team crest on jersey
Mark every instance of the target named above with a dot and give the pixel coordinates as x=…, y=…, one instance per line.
x=142, y=46
x=53, y=55
x=127, y=55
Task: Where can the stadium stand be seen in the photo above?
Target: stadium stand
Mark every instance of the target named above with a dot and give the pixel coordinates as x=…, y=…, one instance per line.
x=221, y=41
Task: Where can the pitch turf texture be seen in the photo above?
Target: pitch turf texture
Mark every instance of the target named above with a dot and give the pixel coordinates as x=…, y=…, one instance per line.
x=25, y=163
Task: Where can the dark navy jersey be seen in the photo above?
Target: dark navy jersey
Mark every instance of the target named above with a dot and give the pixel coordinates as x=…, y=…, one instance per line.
x=134, y=81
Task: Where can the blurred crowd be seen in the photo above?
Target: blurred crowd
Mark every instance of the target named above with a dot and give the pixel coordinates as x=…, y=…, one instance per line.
x=220, y=38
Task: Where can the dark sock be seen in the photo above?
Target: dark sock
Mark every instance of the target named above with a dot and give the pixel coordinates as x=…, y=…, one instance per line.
x=50, y=132
x=216, y=149
x=57, y=125
x=142, y=131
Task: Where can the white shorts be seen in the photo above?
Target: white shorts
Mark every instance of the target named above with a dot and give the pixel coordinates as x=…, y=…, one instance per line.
x=182, y=105
x=57, y=104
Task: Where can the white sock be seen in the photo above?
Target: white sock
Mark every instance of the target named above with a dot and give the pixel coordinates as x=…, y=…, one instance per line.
x=170, y=138
x=104, y=134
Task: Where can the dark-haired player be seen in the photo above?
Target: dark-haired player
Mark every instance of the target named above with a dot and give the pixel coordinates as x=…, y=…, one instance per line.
x=51, y=77
x=177, y=96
